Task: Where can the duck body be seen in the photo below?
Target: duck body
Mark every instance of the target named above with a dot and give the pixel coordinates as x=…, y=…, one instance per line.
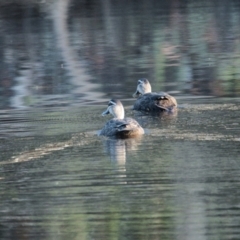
x=155, y=102
x=122, y=128
x=149, y=101
x=119, y=126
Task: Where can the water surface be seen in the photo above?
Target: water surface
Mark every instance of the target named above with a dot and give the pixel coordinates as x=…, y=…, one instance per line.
x=180, y=180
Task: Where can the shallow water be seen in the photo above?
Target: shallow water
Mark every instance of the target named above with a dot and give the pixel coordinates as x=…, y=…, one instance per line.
x=61, y=62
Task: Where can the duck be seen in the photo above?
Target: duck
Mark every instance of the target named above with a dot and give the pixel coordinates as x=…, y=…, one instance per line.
x=149, y=101
x=119, y=126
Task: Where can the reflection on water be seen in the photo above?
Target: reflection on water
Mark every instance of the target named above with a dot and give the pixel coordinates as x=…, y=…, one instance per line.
x=117, y=148
x=164, y=118
x=72, y=52
x=59, y=61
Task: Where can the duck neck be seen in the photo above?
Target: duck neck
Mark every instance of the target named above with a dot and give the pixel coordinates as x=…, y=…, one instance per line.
x=119, y=114
x=148, y=89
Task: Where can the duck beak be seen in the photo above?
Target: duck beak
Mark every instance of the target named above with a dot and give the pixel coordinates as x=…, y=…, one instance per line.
x=105, y=112
x=136, y=94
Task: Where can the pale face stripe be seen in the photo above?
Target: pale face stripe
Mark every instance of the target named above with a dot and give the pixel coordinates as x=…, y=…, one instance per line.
x=113, y=103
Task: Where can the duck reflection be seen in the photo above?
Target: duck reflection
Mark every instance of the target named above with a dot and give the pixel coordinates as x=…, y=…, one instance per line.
x=118, y=148
x=162, y=118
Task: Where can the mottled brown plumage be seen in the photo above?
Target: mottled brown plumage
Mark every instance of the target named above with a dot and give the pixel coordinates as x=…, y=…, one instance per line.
x=119, y=126
x=151, y=101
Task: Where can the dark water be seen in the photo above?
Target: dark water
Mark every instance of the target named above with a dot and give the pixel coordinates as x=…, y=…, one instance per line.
x=60, y=63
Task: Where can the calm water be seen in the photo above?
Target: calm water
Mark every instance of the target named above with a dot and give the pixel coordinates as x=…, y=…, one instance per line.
x=61, y=61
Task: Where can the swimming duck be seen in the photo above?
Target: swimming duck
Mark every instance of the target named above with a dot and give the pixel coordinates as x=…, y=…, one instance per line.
x=149, y=101
x=119, y=126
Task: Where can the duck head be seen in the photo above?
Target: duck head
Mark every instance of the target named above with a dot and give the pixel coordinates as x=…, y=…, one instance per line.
x=143, y=87
x=115, y=108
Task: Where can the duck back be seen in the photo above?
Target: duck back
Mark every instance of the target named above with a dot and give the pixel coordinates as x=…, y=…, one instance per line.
x=122, y=128
x=155, y=102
